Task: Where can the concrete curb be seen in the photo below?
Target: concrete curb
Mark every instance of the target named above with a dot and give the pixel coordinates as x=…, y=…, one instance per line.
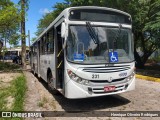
x=148, y=78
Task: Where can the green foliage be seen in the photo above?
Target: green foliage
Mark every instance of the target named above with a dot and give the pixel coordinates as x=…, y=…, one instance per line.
x=9, y=21
x=4, y=50
x=155, y=59
x=48, y=18
x=44, y=22
x=19, y=89
x=26, y=4
x=33, y=39
x=16, y=90
x=14, y=39
x=4, y=66
x=145, y=16
x=146, y=24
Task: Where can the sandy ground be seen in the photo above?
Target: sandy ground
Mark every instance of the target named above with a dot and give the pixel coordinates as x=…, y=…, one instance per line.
x=6, y=78
x=145, y=97
x=5, y=82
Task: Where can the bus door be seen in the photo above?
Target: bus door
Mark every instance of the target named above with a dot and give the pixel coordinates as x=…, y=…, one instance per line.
x=59, y=58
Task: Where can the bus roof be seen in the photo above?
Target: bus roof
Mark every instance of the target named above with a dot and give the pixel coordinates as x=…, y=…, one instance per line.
x=65, y=14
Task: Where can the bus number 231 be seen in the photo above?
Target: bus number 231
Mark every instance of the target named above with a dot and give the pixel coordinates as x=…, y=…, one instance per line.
x=95, y=76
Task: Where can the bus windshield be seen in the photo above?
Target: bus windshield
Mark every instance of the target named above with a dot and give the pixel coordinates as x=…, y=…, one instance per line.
x=81, y=47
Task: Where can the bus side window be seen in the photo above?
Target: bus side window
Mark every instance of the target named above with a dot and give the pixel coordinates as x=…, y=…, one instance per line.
x=42, y=46
x=45, y=44
x=50, y=43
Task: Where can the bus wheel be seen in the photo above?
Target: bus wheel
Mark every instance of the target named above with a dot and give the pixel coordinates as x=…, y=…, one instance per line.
x=49, y=82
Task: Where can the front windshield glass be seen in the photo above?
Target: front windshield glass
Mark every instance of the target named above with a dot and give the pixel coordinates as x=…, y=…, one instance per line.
x=81, y=47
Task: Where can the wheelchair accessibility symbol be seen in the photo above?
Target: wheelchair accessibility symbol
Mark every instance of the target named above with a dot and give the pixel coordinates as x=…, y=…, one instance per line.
x=113, y=56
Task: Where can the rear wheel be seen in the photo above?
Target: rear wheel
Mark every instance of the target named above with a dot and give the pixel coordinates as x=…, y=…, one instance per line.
x=50, y=84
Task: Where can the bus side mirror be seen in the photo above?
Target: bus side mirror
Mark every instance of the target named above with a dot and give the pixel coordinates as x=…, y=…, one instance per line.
x=63, y=30
x=64, y=34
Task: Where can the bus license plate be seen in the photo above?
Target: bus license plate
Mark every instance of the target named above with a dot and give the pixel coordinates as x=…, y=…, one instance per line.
x=109, y=88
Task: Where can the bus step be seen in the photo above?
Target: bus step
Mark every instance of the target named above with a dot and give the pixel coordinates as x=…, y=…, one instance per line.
x=60, y=90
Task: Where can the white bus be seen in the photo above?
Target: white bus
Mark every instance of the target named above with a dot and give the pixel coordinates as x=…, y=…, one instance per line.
x=85, y=52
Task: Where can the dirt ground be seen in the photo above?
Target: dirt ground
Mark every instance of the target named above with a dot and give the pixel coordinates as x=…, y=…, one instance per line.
x=6, y=78
x=145, y=97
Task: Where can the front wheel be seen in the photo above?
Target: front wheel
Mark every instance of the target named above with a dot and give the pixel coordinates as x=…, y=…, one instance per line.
x=50, y=86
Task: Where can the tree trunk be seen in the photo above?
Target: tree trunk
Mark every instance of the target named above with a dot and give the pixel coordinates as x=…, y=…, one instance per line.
x=23, y=38
x=139, y=62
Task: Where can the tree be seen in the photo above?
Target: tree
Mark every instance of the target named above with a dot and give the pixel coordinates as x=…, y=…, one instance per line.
x=145, y=16
x=24, y=7
x=9, y=21
x=146, y=28
x=146, y=23
x=44, y=22
x=33, y=39
x=49, y=17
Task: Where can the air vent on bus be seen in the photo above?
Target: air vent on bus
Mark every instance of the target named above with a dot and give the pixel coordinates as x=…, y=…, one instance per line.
x=107, y=69
x=106, y=81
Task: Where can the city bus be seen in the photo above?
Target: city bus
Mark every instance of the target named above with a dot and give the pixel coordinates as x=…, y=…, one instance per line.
x=13, y=54
x=86, y=52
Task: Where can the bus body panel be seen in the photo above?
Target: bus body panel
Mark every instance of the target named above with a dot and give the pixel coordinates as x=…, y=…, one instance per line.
x=72, y=87
x=35, y=67
x=47, y=62
x=74, y=92
x=99, y=75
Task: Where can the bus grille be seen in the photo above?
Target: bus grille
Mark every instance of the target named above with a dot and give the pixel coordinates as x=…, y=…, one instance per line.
x=106, y=69
x=106, y=81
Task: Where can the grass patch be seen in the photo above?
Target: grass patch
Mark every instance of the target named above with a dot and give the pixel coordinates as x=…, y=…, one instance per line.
x=13, y=95
x=4, y=66
x=19, y=90
x=43, y=102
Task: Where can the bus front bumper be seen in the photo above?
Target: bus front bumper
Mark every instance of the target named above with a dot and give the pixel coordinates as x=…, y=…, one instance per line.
x=75, y=90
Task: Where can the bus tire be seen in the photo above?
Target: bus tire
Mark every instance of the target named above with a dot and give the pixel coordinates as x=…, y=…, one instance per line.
x=49, y=84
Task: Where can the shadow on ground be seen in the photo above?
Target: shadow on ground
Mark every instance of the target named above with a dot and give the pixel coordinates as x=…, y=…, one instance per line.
x=88, y=104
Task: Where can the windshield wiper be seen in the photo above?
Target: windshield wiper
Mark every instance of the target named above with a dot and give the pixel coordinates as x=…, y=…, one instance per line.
x=92, y=33
x=117, y=36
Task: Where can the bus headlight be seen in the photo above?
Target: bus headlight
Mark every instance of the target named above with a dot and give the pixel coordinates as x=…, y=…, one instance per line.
x=130, y=77
x=76, y=78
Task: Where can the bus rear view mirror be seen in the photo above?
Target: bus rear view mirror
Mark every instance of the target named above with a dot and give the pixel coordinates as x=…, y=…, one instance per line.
x=64, y=33
x=63, y=30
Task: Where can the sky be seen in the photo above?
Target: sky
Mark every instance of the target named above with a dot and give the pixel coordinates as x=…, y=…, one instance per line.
x=37, y=8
